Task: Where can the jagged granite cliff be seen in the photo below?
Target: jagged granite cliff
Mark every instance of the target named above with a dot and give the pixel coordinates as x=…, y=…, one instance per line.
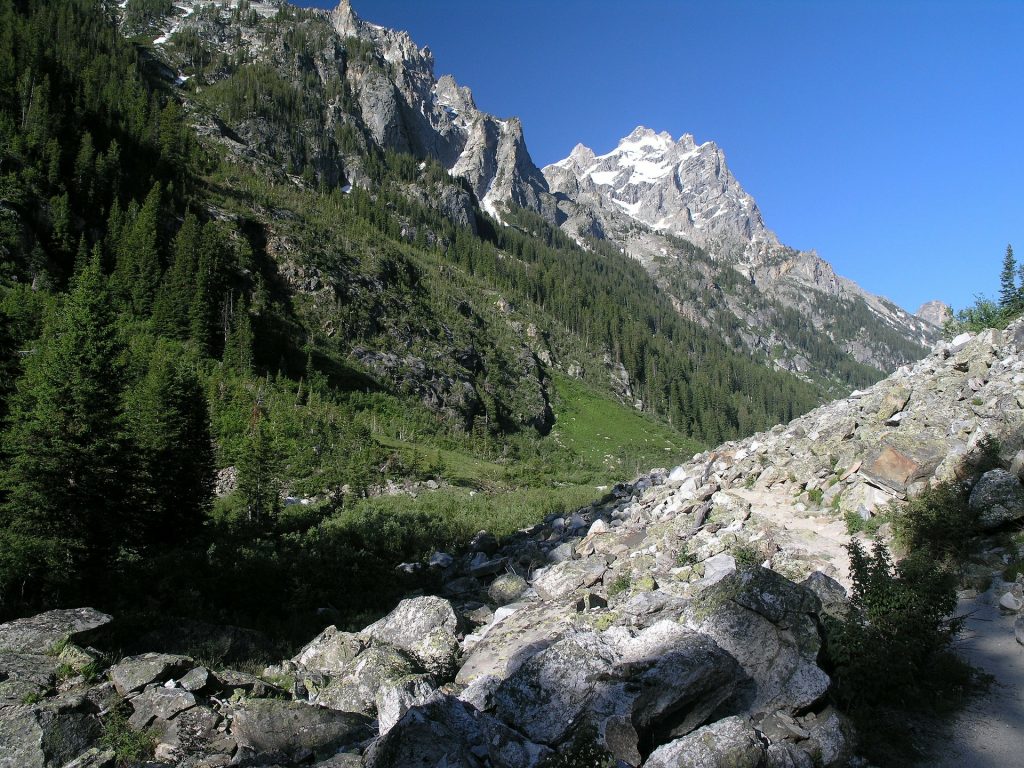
x=642, y=623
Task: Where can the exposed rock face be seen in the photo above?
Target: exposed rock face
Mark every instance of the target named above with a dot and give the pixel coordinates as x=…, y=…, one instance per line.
x=935, y=312
x=681, y=189
x=407, y=109
x=290, y=731
x=678, y=187
x=731, y=741
x=998, y=498
x=48, y=631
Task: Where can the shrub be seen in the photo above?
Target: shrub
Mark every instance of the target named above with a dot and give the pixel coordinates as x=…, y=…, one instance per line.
x=621, y=583
x=937, y=523
x=856, y=524
x=130, y=746
x=892, y=648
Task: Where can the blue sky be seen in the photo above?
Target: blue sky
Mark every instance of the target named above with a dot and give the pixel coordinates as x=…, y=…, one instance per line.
x=888, y=136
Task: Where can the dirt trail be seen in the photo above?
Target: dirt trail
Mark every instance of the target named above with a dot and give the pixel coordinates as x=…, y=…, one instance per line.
x=989, y=733
x=822, y=538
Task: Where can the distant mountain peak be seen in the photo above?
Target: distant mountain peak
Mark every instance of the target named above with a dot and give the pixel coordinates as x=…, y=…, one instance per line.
x=679, y=187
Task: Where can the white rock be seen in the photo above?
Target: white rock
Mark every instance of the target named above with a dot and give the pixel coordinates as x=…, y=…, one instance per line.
x=1011, y=602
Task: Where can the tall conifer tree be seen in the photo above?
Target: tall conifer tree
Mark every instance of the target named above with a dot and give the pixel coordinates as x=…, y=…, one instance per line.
x=64, y=483
x=1007, y=278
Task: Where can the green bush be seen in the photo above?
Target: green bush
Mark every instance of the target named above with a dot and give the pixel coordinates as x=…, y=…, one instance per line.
x=937, y=523
x=856, y=524
x=892, y=648
x=130, y=746
x=621, y=583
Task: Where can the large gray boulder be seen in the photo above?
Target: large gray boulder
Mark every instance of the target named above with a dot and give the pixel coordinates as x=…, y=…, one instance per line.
x=355, y=687
x=330, y=651
x=194, y=733
x=731, y=742
x=46, y=735
x=998, y=498
x=562, y=679
x=769, y=625
x=48, y=632
x=665, y=679
x=290, y=731
x=26, y=675
x=449, y=732
x=396, y=697
x=563, y=579
x=507, y=588
x=133, y=673
x=425, y=628
x=157, y=703
x=521, y=632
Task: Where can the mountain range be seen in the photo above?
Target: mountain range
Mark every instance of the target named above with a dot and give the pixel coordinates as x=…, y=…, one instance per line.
x=672, y=205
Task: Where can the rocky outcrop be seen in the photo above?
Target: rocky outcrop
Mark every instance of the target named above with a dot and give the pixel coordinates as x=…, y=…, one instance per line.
x=678, y=187
x=938, y=313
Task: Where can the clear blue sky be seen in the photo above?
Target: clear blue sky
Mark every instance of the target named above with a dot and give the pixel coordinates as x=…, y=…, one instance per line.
x=887, y=135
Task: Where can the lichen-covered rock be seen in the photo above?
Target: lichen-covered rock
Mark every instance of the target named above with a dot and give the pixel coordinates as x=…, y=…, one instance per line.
x=998, y=498
x=426, y=629
x=26, y=675
x=507, y=588
x=47, y=632
x=562, y=678
x=769, y=624
x=133, y=673
x=355, y=688
x=396, y=697
x=49, y=734
x=562, y=579
x=518, y=632
x=330, y=651
x=730, y=742
x=289, y=731
x=446, y=731
x=159, y=703
x=623, y=685
x=831, y=594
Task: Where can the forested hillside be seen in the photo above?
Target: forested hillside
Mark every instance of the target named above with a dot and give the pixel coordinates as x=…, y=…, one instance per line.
x=171, y=310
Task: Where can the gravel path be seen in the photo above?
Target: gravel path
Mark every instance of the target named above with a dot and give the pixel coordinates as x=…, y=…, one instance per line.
x=989, y=733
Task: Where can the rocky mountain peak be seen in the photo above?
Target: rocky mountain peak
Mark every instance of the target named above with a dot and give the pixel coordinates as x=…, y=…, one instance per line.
x=934, y=312
x=679, y=187
x=456, y=98
x=408, y=110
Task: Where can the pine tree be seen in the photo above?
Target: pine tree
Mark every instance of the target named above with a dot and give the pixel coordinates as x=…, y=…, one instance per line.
x=204, y=309
x=258, y=481
x=61, y=520
x=1007, y=286
x=238, y=349
x=174, y=297
x=171, y=434
x=138, y=254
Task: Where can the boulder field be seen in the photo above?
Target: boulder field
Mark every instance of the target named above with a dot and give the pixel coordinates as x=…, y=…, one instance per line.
x=674, y=622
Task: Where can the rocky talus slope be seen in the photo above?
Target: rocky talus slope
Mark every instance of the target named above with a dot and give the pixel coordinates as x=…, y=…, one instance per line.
x=675, y=622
